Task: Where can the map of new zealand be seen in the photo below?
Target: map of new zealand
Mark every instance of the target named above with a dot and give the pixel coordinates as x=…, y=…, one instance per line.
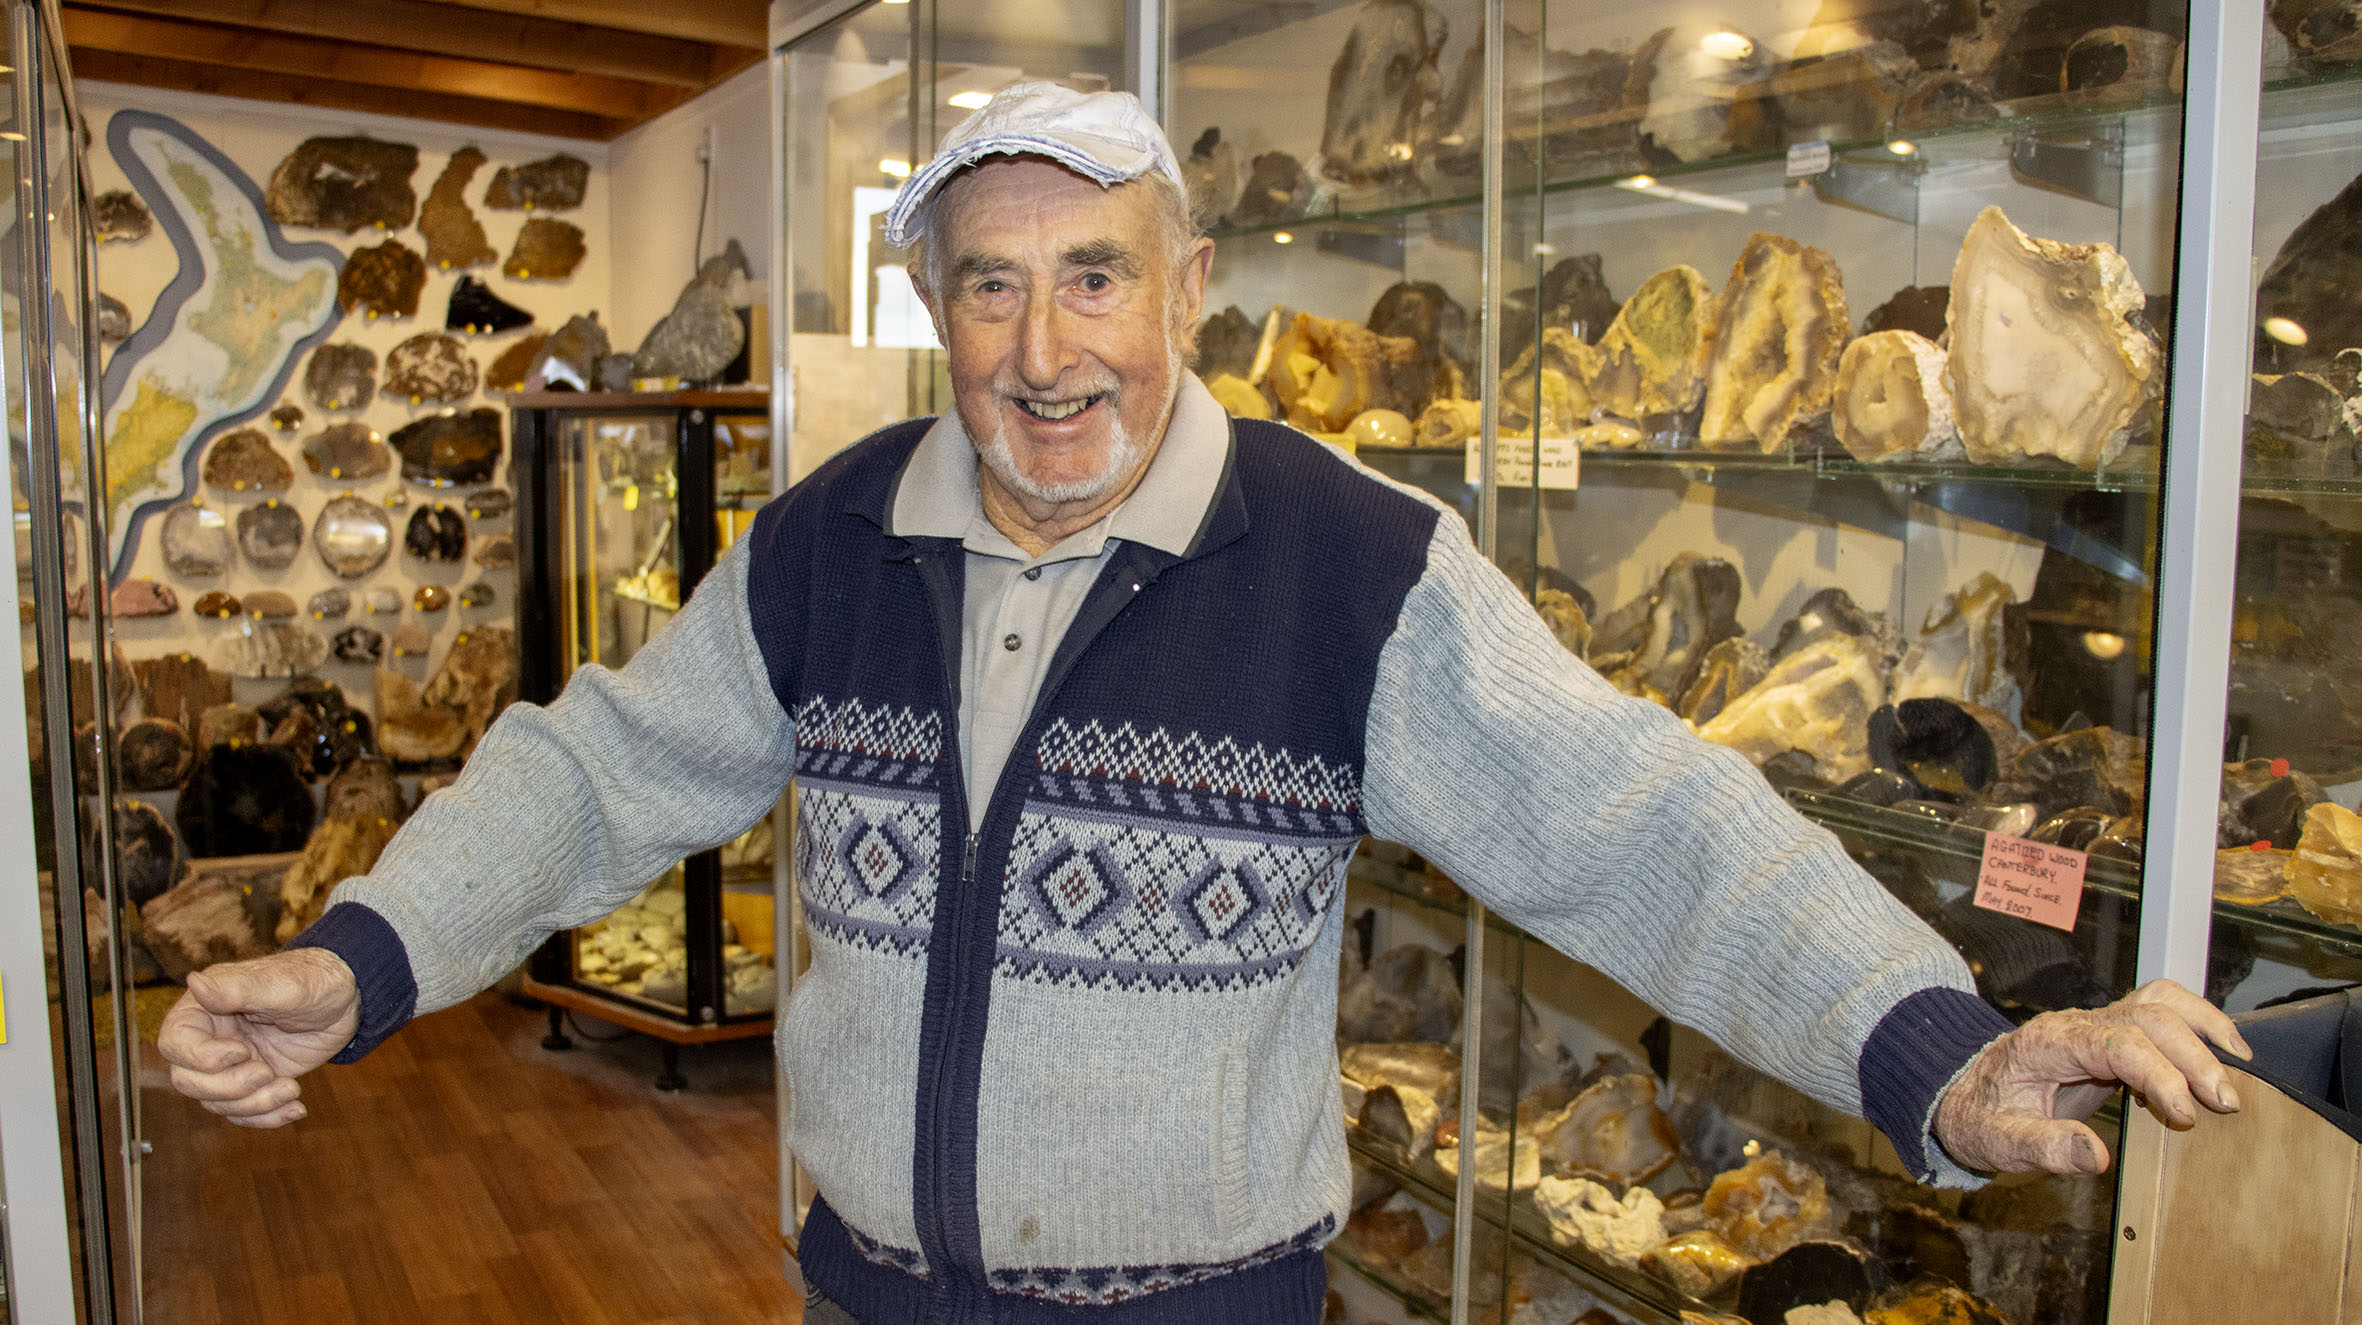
x=225, y=334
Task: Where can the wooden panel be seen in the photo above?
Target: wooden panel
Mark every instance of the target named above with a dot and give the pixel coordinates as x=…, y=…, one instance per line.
x=723, y=22
x=345, y=62
x=147, y=71
x=421, y=25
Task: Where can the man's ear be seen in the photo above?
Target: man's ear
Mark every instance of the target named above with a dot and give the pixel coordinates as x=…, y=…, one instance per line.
x=1196, y=269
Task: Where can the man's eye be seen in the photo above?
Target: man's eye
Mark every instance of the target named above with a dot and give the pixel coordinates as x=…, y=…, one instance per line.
x=991, y=287
x=1096, y=282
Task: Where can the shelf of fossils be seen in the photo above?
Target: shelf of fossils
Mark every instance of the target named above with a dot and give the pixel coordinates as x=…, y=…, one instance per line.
x=1685, y=1191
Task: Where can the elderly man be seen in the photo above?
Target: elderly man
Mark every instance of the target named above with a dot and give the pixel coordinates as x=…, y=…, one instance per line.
x=1088, y=693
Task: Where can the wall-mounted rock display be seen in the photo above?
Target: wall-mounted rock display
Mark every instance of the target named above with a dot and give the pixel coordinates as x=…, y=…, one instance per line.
x=359, y=644
x=498, y=552
x=349, y=450
x=245, y=800
x=154, y=754
x=454, y=237
x=701, y=335
x=114, y=320
x=270, y=534
x=328, y=604
x=552, y=184
x=450, y=450
x=478, y=594
x=572, y=354
x=383, y=280
x=507, y=371
x=271, y=649
x=475, y=310
x=119, y=215
x=353, y=537
x=287, y=418
x=179, y=686
x=218, y=605
x=342, y=377
x=489, y=504
x=195, y=541
x=546, y=250
x=245, y=461
x=269, y=605
x=436, y=533
x=344, y=184
x=430, y=368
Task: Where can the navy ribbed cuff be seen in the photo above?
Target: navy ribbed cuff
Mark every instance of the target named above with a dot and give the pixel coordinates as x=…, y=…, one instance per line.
x=381, y=966
x=1912, y=1055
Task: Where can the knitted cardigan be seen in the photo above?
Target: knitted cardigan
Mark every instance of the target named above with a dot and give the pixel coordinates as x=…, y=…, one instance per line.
x=1083, y=1059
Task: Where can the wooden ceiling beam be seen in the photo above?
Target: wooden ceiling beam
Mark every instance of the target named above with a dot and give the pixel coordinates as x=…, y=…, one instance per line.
x=452, y=30
x=741, y=23
x=343, y=62
x=149, y=71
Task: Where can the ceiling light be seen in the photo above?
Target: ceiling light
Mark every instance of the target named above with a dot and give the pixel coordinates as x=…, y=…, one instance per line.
x=971, y=100
x=2285, y=331
x=1282, y=237
x=1727, y=45
x=1903, y=147
x=898, y=169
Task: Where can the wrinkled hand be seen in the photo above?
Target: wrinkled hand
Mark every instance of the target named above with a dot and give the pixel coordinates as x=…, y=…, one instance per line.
x=244, y=1031
x=2021, y=1104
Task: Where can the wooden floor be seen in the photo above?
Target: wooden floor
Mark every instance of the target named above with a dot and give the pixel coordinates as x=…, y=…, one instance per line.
x=463, y=1174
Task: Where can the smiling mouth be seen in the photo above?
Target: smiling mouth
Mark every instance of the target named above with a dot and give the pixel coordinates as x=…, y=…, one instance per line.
x=1056, y=411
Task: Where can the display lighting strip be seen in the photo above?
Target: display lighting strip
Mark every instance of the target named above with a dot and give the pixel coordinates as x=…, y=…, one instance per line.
x=1649, y=185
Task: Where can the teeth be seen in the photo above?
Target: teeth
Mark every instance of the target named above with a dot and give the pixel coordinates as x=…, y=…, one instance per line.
x=1042, y=409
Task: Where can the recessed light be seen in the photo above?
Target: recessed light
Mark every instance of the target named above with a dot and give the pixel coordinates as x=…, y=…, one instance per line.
x=1282, y=237
x=971, y=100
x=2285, y=331
x=898, y=169
x=1903, y=147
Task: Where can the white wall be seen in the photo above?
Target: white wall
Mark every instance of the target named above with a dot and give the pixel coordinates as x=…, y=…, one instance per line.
x=656, y=176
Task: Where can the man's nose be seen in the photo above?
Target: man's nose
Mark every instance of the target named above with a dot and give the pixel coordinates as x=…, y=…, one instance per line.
x=1045, y=349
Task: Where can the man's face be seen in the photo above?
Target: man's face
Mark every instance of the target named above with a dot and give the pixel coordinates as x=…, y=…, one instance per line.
x=1064, y=311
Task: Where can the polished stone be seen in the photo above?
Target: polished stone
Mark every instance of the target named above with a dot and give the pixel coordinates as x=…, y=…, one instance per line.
x=154, y=754
x=383, y=280
x=478, y=594
x=269, y=605
x=436, y=533
x=349, y=451
x=118, y=214
x=365, y=788
x=489, y=504
x=245, y=800
x=384, y=600
x=287, y=418
x=359, y=644
x=245, y=461
x=411, y=639
x=217, y=604
x=142, y=597
x=545, y=250
x=430, y=598
x=195, y=541
x=430, y=367
x=450, y=450
x=329, y=604
x=476, y=311
x=341, y=377
x=353, y=537
x=498, y=552
x=344, y=184
x=552, y=184
x=270, y=534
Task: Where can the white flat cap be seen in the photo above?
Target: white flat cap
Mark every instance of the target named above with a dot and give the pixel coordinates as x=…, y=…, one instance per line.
x=1104, y=136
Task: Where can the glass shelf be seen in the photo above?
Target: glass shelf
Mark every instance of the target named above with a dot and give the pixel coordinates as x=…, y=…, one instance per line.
x=1417, y=1307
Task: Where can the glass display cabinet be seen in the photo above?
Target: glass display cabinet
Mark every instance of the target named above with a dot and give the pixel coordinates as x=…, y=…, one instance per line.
x=624, y=501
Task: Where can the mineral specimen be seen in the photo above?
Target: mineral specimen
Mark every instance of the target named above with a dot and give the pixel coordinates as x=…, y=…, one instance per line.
x=347, y=450
x=1817, y=699
x=359, y=644
x=1582, y=1213
x=270, y=534
x=1807, y=1275
x=478, y=594
x=336, y=851
x=1566, y=618
x=474, y=309
x=1328, y=370
x=1652, y=355
x=454, y=237
x=1924, y=29
x=154, y=754
x=1409, y=993
x=2325, y=871
x=450, y=450
x=436, y=533
x=273, y=650
x=1730, y=669
x=195, y=541
x=1572, y=295
x=614, y=372
x=430, y=366
x=1275, y=189
x=2120, y=61
x=344, y=184
x=2246, y=877
x=342, y=377
x=1420, y=1065
x=545, y=250
x=147, y=858
x=1708, y=91
x=2320, y=31
x=382, y=281
x=1699, y=1263
x=428, y=598
x=552, y=184
x=219, y=915
x=178, y=687
x=1613, y=1131
x=1892, y=401
x=571, y=356
x=1386, y=1231
x=498, y=552
x=364, y=787
x=1432, y=319
x=507, y=371
x=245, y=800
x=1547, y=389
x=1211, y=175
x=287, y=418
x=1918, y=308
x=2095, y=767
x=1381, y=89
x=118, y=214
x=328, y=604
x=1693, y=608
x=488, y=504
x=1927, y=1301
x=1500, y=1165
x=1585, y=110
x=1844, y=95
x=1945, y=751
x=114, y=320
x=2047, y=358
x=269, y=605
x=1226, y=344
x=228, y=724
x=1768, y=1205
x=411, y=639
x=1773, y=345
x=1962, y=649
x=701, y=335
x=245, y=461
x=409, y=730
x=383, y=600
x=2304, y=306
x=1402, y=1117
x=478, y=678
x=2298, y=425
x=1448, y=423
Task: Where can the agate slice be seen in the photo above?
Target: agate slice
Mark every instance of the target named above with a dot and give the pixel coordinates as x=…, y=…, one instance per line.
x=1613, y=1131
x=344, y=184
x=454, y=237
x=474, y=309
x=545, y=250
x=1962, y=649
x=430, y=367
x=1892, y=401
x=2245, y=877
x=1380, y=88
x=347, y=450
x=1651, y=357
x=2090, y=771
x=1328, y=370
x=1773, y=346
x=195, y=541
x=436, y=533
x=384, y=600
x=383, y=280
x=245, y=461
x=154, y=754
x=217, y=605
x=328, y=604
x=1501, y=1164
x=341, y=377
x=2047, y=357
x=551, y=184
x=1768, y=1205
x=450, y=450
x=1817, y=700
x=353, y=537
x=270, y=534
x=2325, y=871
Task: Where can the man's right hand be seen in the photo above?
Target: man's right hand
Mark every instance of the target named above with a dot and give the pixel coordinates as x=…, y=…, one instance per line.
x=244, y=1031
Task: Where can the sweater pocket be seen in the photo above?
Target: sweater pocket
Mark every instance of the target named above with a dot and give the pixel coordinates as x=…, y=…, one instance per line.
x=1232, y=1164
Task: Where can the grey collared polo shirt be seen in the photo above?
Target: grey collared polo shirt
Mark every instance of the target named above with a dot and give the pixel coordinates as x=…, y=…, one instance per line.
x=1016, y=608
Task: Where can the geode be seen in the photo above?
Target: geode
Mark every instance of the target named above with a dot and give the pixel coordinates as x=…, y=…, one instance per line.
x=450, y=450
x=154, y=754
x=347, y=450
x=273, y=649
x=475, y=310
x=245, y=800
x=1381, y=90
x=430, y=366
x=2324, y=872
x=1654, y=649
x=545, y=250
x=245, y=461
x=118, y=214
x=436, y=533
x=384, y=280
x=454, y=237
x=195, y=541
x=359, y=644
x=552, y=184
x=270, y=534
x=1653, y=354
x=1892, y=401
x=341, y=377
x=1773, y=346
x=344, y=184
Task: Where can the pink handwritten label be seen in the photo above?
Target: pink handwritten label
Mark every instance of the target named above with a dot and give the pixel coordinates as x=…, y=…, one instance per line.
x=2031, y=880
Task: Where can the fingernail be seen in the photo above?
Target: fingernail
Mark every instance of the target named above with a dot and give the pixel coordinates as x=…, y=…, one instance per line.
x=299, y=1115
x=2229, y=1097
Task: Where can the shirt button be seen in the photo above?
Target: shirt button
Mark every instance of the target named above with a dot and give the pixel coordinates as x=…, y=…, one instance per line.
x=1033, y=572
x=1010, y=642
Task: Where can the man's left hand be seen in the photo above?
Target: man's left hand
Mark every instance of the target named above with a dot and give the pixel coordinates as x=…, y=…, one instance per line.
x=2021, y=1103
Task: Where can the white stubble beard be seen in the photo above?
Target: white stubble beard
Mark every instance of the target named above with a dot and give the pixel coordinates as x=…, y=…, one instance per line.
x=1123, y=454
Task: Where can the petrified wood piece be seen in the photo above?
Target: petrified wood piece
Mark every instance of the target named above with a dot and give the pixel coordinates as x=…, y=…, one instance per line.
x=450, y=450
x=2247, y=877
x=410, y=730
x=141, y=597
x=328, y=604
x=454, y=237
x=489, y=504
x=411, y=639
x=1773, y=345
x=552, y=184
x=344, y=184
x=1708, y=93
x=270, y=533
x=1211, y=174
x=287, y=418
x=1929, y=1301
x=1651, y=357
x=269, y=605
x=2320, y=31
x=2098, y=769
x=382, y=281
x=245, y=461
x=1693, y=607
x=154, y=754
x=2298, y=424
x=366, y=788
x=118, y=214
x=1924, y=29
x=2120, y=61
x=336, y=851
x=430, y=598
x=147, y=856
x=2047, y=357
x=1730, y=669
x=498, y=552
x=1893, y=401
x=224, y=914
x=1816, y=699
x=1807, y=1275
x=1432, y=319
x=478, y=594
x=274, y=650
x=697, y=339
x=341, y=377
x=346, y=450
x=545, y=250
x=1962, y=649
x=474, y=309
x=572, y=354
x=1768, y=1205
x=178, y=687
x=228, y=724
x=195, y=541
x=245, y=800
x=478, y=678
x=1842, y=95
x=2259, y=806
x=430, y=366
x=1381, y=90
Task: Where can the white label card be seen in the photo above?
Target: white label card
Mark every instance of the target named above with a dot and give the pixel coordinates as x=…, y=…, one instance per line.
x=1807, y=159
x=1561, y=463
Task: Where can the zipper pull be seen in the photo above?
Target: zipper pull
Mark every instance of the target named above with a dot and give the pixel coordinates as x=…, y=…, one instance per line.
x=968, y=861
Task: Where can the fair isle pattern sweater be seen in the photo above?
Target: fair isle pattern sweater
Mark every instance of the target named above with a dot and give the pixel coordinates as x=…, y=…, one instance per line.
x=1083, y=1059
